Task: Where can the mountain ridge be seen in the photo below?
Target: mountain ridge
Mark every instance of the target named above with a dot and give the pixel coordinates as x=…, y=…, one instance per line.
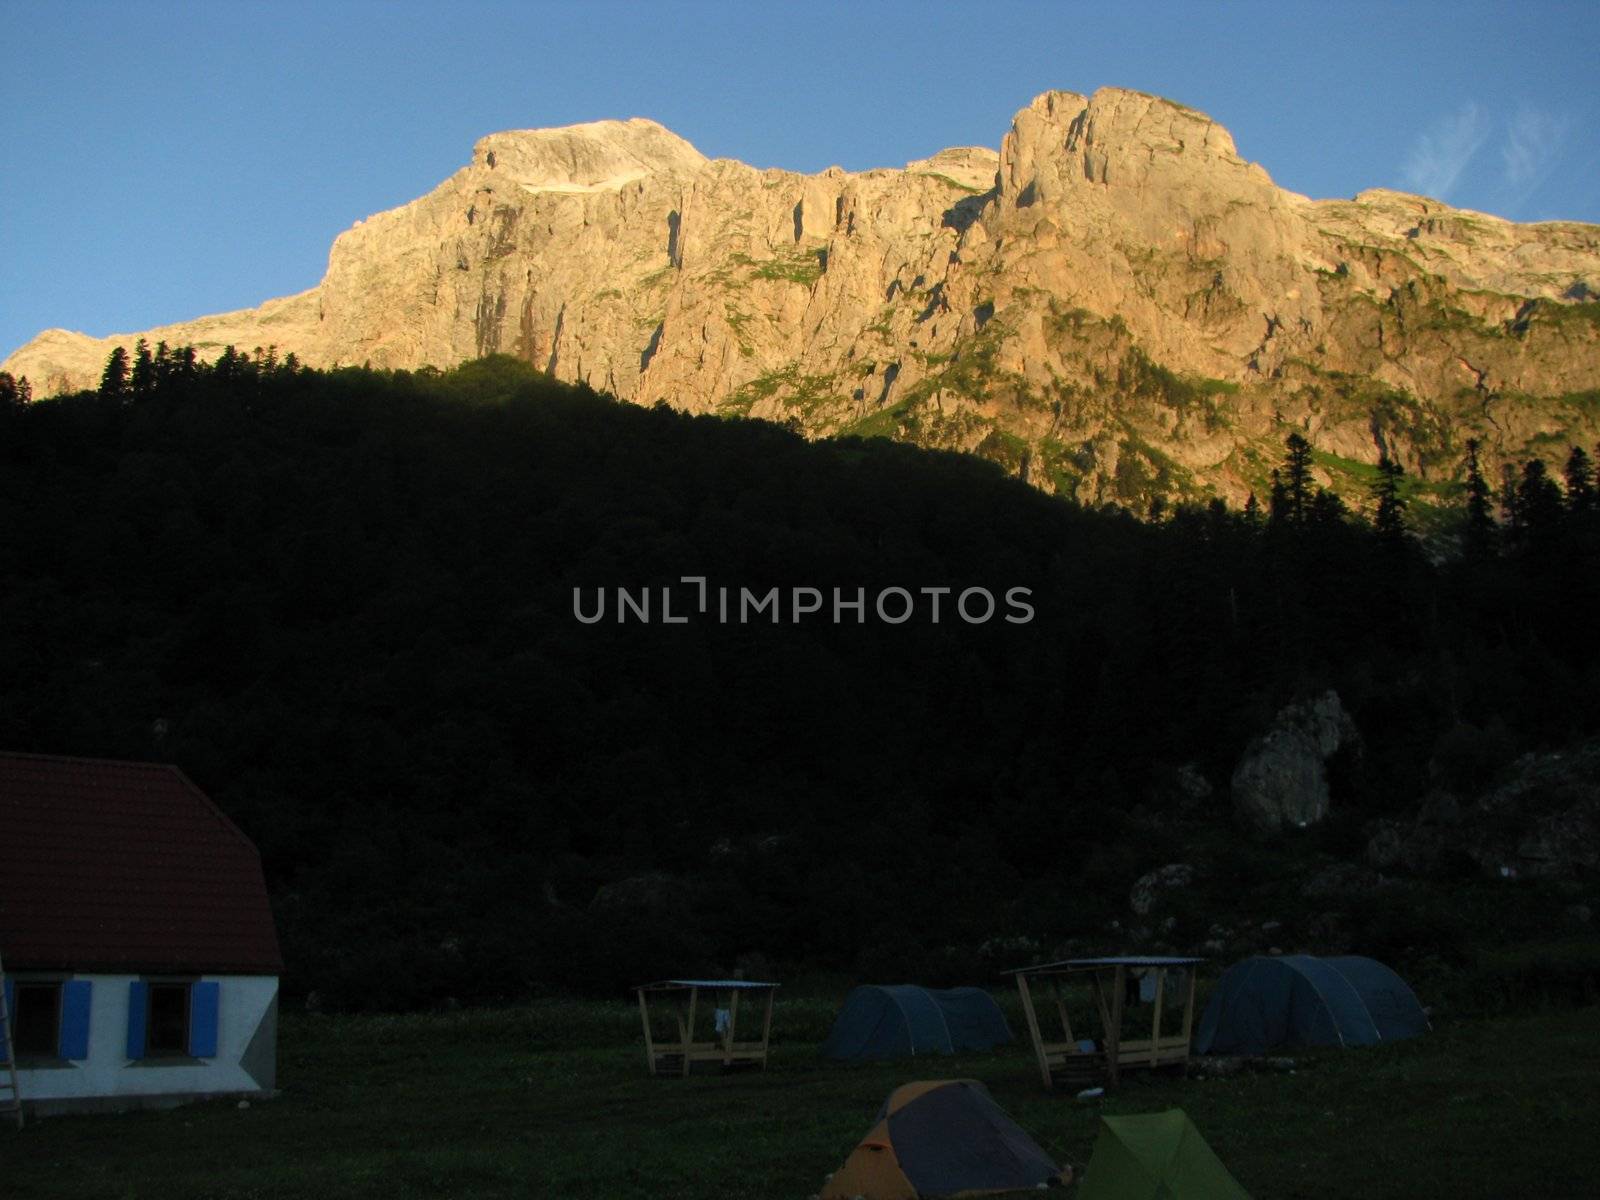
x=1115, y=305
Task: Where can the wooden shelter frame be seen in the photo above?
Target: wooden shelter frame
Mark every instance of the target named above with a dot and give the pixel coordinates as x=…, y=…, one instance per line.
x=683, y=995
x=1107, y=978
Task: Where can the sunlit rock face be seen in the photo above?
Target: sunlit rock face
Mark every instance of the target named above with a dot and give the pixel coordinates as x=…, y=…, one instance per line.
x=1116, y=305
x=1281, y=781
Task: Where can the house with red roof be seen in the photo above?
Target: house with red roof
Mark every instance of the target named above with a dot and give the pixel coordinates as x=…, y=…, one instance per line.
x=140, y=954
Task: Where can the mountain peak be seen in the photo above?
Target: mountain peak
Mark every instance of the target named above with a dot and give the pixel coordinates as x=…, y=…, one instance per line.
x=594, y=156
x=1117, y=305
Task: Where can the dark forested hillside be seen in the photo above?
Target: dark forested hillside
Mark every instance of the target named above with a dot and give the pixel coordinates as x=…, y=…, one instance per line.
x=343, y=602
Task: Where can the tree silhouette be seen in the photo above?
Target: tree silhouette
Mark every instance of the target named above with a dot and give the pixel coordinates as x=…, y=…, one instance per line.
x=114, y=379
x=1278, y=500
x=1390, y=522
x=1326, y=508
x=1579, y=474
x=14, y=393
x=1537, y=506
x=1295, y=502
x=1297, y=478
x=1480, y=527
x=142, y=378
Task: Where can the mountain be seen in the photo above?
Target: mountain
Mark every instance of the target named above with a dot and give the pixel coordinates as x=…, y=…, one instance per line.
x=1116, y=306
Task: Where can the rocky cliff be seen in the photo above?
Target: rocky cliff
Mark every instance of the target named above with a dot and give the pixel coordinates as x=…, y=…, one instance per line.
x=1115, y=306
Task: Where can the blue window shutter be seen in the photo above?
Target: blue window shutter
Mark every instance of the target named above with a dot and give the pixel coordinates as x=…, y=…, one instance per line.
x=75, y=1018
x=138, y=1002
x=204, y=1002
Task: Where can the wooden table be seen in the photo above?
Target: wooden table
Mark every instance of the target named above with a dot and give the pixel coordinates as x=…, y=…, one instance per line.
x=1108, y=978
x=684, y=997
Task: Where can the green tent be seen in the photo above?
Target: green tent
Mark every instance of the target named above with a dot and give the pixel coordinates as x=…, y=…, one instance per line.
x=1160, y=1156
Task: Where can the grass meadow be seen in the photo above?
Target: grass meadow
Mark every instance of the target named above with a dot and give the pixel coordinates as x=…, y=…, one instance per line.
x=553, y=1100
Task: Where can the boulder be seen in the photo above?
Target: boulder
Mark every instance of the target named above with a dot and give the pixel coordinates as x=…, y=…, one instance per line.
x=1542, y=820
x=1386, y=845
x=1151, y=887
x=1184, y=787
x=1341, y=880
x=1194, y=789
x=648, y=893
x=1539, y=820
x=1281, y=780
x=1417, y=847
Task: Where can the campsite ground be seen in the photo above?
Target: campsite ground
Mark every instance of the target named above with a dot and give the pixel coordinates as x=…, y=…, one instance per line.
x=552, y=1101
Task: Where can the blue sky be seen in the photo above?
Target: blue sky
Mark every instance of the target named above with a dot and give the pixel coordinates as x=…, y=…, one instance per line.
x=166, y=160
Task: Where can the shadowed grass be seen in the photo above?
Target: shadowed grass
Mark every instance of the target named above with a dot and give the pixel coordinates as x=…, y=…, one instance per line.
x=552, y=1101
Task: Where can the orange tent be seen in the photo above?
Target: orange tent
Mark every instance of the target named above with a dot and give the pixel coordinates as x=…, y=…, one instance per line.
x=943, y=1137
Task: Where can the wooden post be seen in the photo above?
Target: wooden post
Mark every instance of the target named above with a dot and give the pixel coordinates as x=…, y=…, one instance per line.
x=1114, y=1033
x=688, y=1034
x=1155, y=1025
x=1188, y=1014
x=649, y=1046
x=1061, y=1011
x=733, y=1019
x=766, y=1026
x=1100, y=1003
x=1033, y=1030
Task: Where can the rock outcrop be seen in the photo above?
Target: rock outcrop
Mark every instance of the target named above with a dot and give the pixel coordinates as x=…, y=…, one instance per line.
x=1149, y=889
x=1116, y=305
x=1540, y=820
x=1281, y=781
x=653, y=893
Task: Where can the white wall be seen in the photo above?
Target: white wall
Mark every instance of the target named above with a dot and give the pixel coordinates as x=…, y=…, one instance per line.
x=243, y=1001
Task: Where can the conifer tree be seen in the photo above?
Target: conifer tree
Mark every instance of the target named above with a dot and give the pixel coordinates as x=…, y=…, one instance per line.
x=1538, y=504
x=142, y=379
x=14, y=393
x=1390, y=521
x=1278, y=500
x=1579, y=474
x=1297, y=478
x=1480, y=527
x=1327, y=507
x=185, y=366
x=114, y=379
x=162, y=375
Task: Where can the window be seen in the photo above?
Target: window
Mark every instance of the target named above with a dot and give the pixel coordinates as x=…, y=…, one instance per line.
x=173, y=1019
x=36, y=1032
x=49, y=1017
x=167, y=1032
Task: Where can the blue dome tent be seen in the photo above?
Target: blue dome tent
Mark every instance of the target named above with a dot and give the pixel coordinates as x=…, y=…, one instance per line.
x=902, y=1021
x=1300, y=1000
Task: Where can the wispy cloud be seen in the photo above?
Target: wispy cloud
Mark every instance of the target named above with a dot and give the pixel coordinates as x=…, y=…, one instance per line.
x=1530, y=149
x=1440, y=155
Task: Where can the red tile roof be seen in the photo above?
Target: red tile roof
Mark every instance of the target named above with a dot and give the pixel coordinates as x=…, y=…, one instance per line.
x=118, y=866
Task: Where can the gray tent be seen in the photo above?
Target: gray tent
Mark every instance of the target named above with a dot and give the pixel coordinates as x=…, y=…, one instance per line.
x=1300, y=1000
x=904, y=1020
